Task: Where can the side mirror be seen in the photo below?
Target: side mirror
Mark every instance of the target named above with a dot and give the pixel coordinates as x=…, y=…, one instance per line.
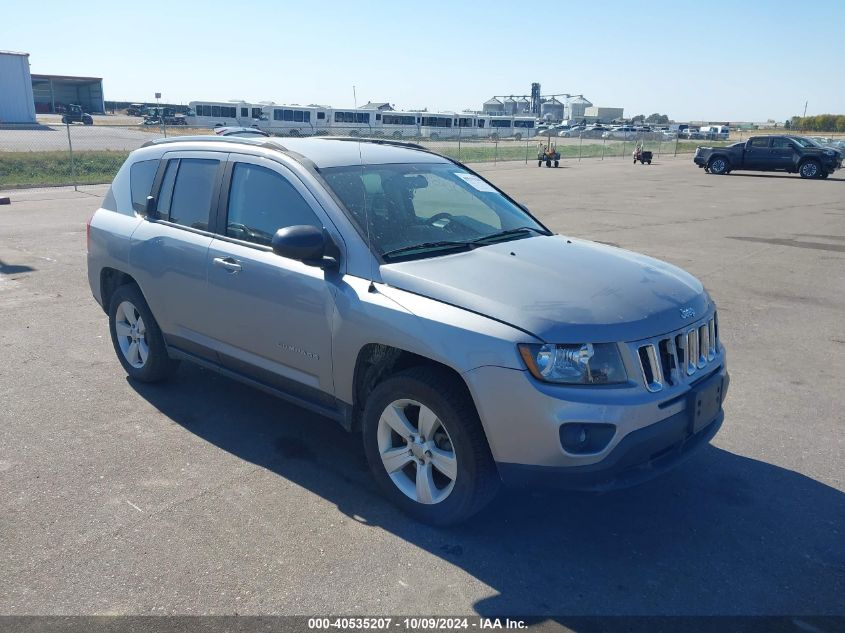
x=307, y=244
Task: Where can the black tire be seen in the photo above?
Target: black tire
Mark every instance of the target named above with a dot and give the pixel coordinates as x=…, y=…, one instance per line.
x=477, y=480
x=548, y=163
x=649, y=162
x=539, y=163
x=64, y=119
x=557, y=163
x=810, y=169
x=158, y=365
x=825, y=174
x=718, y=165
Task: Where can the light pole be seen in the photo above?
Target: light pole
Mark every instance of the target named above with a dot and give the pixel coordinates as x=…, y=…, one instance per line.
x=160, y=114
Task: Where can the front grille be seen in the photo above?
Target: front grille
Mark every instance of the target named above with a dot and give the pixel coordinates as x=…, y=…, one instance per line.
x=678, y=357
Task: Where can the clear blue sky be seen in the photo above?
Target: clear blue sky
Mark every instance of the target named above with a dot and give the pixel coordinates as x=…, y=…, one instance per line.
x=748, y=60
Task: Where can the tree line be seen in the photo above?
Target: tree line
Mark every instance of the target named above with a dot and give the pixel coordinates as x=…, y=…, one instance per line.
x=818, y=123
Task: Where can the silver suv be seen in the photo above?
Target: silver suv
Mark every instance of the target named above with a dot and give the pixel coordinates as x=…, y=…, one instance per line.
x=401, y=294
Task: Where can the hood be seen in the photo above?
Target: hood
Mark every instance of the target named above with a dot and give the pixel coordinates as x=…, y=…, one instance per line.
x=561, y=290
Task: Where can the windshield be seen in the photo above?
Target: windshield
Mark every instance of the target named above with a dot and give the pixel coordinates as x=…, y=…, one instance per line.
x=430, y=206
x=805, y=142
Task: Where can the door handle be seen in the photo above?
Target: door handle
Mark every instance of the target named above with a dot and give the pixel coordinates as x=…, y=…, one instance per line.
x=229, y=263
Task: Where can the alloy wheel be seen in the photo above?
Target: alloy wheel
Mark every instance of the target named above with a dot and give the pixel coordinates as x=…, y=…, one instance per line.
x=131, y=334
x=417, y=452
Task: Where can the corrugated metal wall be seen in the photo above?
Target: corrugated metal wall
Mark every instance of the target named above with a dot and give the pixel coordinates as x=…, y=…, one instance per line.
x=16, y=102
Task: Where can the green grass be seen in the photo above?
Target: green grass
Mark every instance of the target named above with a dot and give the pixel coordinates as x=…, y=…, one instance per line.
x=46, y=169
x=42, y=169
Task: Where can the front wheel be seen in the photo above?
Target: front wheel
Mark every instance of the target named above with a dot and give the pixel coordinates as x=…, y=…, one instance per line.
x=718, y=166
x=426, y=447
x=136, y=337
x=810, y=169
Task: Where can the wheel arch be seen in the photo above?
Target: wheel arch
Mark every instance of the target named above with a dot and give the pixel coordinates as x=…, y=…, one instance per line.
x=721, y=155
x=376, y=362
x=110, y=280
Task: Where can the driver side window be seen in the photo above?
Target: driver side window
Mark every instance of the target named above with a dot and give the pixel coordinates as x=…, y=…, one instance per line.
x=261, y=202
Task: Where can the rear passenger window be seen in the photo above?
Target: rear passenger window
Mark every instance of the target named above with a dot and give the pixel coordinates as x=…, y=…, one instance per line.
x=190, y=201
x=760, y=142
x=780, y=143
x=141, y=176
x=261, y=202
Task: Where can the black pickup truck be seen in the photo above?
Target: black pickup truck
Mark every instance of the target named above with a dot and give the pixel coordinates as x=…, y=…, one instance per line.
x=793, y=154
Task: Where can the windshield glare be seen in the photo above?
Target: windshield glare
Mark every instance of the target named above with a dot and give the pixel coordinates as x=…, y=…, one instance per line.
x=413, y=204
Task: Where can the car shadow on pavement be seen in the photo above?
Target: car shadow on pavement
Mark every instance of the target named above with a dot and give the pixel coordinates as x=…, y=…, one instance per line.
x=785, y=175
x=14, y=269
x=722, y=534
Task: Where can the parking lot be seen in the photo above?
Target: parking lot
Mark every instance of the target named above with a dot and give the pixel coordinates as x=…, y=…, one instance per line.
x=204, y=496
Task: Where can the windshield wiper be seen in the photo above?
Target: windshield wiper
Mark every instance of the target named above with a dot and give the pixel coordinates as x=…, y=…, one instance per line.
x=456, y=244
x=427, y=246
x=495, y=237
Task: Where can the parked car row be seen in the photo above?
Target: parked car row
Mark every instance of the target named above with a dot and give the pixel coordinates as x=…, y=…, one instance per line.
x=615, y=132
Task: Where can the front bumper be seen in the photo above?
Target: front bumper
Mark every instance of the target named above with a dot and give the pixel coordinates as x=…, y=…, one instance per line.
x=640, y=456
x=522, y=419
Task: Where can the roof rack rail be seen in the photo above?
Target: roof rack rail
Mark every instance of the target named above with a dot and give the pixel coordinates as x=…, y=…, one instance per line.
x=260, y=142
x=377, y=141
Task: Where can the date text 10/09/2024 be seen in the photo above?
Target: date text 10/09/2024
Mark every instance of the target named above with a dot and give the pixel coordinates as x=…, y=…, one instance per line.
x=414, y=624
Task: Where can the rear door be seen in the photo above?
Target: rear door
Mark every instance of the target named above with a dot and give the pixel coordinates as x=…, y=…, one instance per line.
x=757, y=153
x=168, y=253
x=270, y=316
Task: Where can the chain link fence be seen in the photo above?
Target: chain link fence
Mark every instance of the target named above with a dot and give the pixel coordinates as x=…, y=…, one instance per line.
x=53, y=153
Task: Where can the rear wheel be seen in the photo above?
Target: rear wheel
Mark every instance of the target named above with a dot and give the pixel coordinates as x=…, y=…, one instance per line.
x=718, y=165
x=426, y=448
x=548, y=163
x=557, y=163
x=137, y=338
x=810, y=169
x=825, y=174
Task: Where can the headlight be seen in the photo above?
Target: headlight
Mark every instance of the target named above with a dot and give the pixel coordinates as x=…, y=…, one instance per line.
x=579, y=364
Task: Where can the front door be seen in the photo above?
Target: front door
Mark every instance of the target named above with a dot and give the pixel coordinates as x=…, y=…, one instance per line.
x=782, y=153
x=270, y=316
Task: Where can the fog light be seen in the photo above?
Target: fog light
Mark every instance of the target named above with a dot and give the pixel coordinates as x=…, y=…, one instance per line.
x=580, y=438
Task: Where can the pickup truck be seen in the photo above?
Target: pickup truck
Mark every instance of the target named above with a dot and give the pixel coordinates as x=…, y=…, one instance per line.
x=792, y=154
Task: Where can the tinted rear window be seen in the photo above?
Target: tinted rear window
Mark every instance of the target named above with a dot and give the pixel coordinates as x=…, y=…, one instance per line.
x=141, y=176
x=192, y=193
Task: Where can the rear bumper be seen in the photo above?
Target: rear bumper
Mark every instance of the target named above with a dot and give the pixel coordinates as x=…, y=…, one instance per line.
x=640, y=456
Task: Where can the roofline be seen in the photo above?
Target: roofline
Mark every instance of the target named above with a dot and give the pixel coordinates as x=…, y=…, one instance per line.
x=38, y=76
x=267, y=143
x=14, y=53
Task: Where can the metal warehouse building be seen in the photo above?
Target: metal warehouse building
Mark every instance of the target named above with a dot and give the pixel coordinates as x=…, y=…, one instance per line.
x=16, y=102
x=53, y=93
